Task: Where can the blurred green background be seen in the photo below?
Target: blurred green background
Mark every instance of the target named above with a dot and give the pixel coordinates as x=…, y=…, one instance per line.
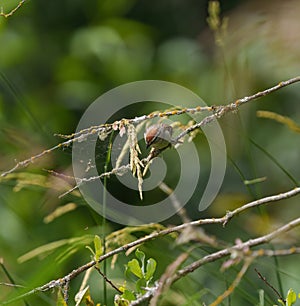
x=57, y=57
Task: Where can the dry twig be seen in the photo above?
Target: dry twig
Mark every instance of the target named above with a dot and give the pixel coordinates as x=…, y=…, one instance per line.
x=234, y=284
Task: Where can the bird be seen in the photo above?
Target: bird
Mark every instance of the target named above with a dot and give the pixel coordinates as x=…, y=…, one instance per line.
x=159, y=136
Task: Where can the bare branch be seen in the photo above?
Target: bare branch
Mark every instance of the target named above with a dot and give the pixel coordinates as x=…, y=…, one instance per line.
x=269, y=285
x=225, y=252
x=221, y=110
x=195, y=265
x=116, y=171
x=218, y=112
x=261, y=201
x=108, y=280
x=6, y=15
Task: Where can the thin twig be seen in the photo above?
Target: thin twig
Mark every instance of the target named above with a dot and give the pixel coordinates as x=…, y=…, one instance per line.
x=108, y=280
x=234, y=284
x=209, y=258
x=219, y=111
x=225, y=252
x=190, y=233
x=261, y=201
x=251, y=256
x=116, y=171
x=125, y=168
x=6, y=15
x=269, y=285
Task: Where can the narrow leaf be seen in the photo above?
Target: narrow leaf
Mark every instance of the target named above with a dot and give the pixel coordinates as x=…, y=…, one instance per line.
x=140, y=286
x=52, y=246
x=98, y=247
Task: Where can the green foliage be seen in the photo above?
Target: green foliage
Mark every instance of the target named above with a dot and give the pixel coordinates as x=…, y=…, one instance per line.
x=290, y=299
x=98, y=248
x=141, y=273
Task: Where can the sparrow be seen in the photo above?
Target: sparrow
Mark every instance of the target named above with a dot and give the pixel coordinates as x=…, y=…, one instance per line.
x=159, y=136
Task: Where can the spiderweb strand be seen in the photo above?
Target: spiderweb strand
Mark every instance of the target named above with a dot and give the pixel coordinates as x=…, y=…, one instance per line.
x=103, y=128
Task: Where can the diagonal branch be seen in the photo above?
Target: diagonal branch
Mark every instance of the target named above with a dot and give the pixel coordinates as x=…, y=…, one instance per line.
x=6, y=15
x=218, y=112
x=225, y=252
x=268, y=284
x=195, y=265
x=221, y=110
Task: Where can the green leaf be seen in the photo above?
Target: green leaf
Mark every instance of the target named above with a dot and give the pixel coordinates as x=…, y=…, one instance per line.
x=128, y=295
x=52, y=246
x=291, y=297
x=60, y=299
x=140, y=286
x=150, y=269
x=140, y=255
x=134, y=267
x=98, y=247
